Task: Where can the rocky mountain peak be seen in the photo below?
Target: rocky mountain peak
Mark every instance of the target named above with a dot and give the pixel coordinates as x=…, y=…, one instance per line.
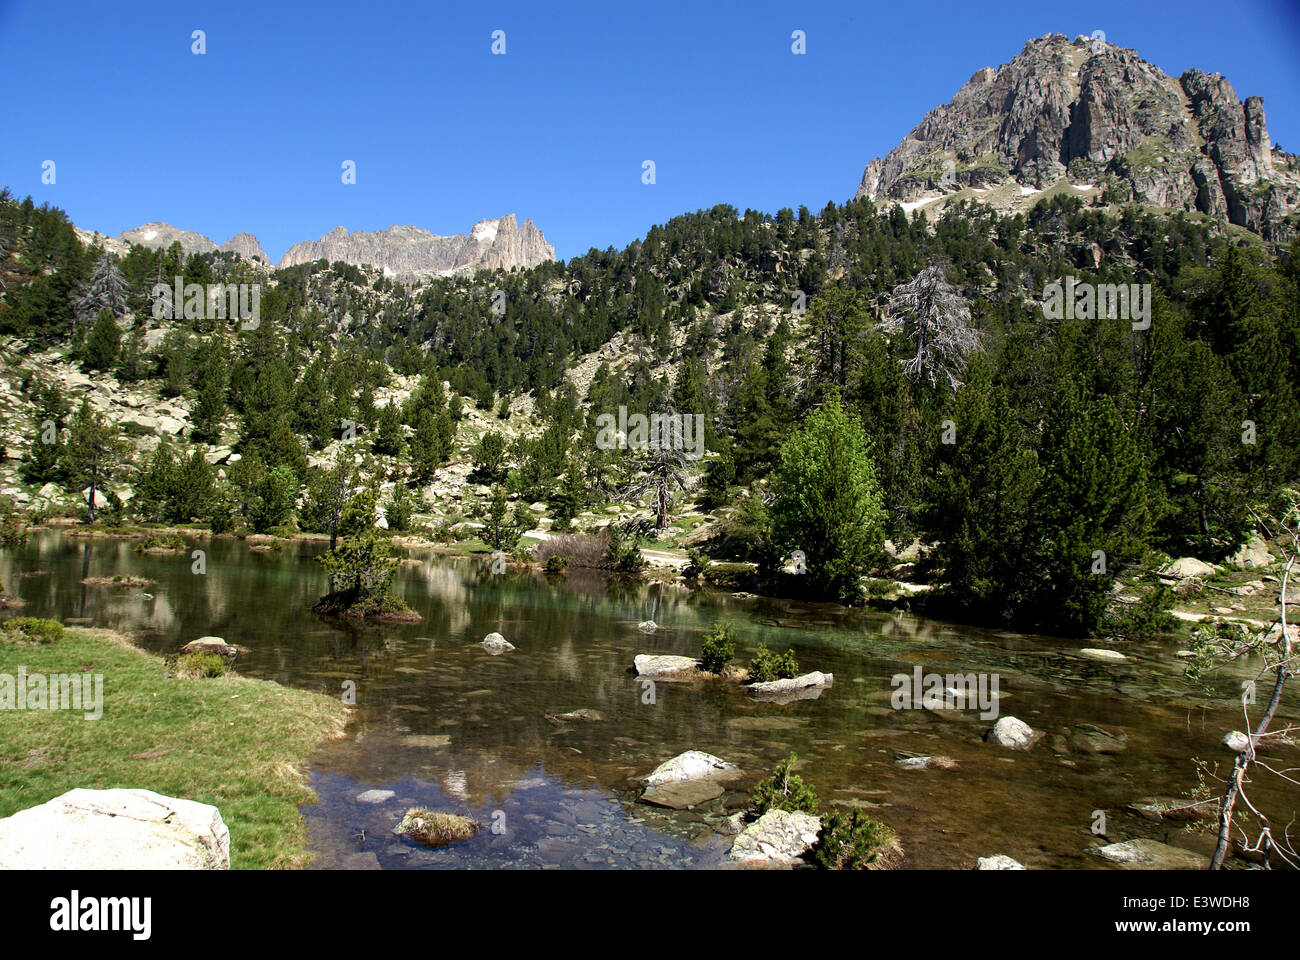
x=1094, y=118
x=412, y=251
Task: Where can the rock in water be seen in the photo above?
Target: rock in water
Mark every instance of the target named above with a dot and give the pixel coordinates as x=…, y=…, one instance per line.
x=1107, y=656
x=683, y=794
x=791, y=684
x=647, y=626
x=778, y=837
x=1010, y=732
x=691, y=765
x=494, y=643
x=998, y=862
x=1236, y=741
x=1089, y=738
x=663, y=665
x=1146, y=854
x=122, y=829
x=212, y=645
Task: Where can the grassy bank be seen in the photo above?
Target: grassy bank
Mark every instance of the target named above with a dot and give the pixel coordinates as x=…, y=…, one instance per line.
x=233, y=742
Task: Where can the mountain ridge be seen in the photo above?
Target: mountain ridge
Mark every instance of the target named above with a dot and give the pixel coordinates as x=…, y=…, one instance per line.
x=491, y=243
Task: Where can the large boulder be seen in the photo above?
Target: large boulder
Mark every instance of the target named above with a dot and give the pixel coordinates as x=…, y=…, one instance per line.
x=122, y=829
x=778, y=838
x=691, y=765
x=1252, y=555
x=1185, y=568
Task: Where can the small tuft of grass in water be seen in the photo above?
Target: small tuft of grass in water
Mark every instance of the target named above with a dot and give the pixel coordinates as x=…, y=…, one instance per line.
x=434, y=828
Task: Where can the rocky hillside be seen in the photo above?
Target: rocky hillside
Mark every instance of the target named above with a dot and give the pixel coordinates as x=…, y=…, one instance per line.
x=411, y=251
x=1096, y=119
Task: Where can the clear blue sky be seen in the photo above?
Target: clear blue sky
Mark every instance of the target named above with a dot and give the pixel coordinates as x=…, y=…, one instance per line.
x=251, y=135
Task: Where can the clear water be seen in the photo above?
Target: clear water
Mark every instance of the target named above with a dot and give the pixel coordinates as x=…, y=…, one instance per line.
x=443, y=724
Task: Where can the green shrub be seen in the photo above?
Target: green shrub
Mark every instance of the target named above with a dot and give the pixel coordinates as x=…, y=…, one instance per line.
x=784, y=791
x=200, y=664
x=624, y=555
x=157, y=541
x=767, y=666
x=853, y=841
x=697, y=565
x=1146, y=619
x=717, y=649
x=33, y=629
x=556, y=563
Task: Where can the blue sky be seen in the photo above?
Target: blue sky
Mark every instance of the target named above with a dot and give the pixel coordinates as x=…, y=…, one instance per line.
x=251, y=135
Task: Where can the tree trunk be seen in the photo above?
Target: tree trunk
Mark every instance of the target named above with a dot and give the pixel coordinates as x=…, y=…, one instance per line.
x=1244, y=758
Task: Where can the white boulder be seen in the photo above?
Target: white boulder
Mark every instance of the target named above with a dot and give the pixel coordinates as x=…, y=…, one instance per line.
x=121, y=829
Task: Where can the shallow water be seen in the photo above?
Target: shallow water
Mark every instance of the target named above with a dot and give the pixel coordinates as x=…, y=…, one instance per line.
x=442, y=723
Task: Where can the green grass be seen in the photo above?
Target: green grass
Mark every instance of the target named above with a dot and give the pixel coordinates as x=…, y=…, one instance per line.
x=233, y=742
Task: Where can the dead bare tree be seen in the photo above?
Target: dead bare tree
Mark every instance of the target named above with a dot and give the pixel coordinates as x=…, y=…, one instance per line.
x=934, y=316
x=1279, y=658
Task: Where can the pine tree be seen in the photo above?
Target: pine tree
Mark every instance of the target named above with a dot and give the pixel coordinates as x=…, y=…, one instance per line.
x=389, y=437
x=94, y=454
x=104, y=343
x=983, y=499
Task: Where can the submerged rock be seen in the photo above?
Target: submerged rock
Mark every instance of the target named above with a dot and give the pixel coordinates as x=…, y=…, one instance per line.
x=927, y=763
x=1173, y=808
x=683, y=794
x=998, y=862
x=1108, y=656
x=1143, y=854
x=778, y=837
x=576, y=715
x=122, y=829
x=1088, y=738
x=1013, y=733
x=375, y=796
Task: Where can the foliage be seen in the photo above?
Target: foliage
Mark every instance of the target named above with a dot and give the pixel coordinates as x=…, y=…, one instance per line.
x=717, y=648
x=853, y=841
x=32, y=630
x=827, y=501
x=784, y=790
x=200, y=664
x=767, y=666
